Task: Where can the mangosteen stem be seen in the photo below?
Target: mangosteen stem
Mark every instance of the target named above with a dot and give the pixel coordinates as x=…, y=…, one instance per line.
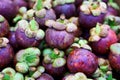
x=110, y=1
x=98, y=28
x=33, y=25
x=17, y=18
x=39, y=4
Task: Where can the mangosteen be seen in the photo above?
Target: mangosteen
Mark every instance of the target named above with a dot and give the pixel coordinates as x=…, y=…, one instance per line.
x=20, y=3
x=28, y=33
x=114, y=56
x=10, y=74
x=106, y=1
x=43, y=12
x=8, y=9
x=101, y=37
x=66, y=7
x=91, y=12
x=6, y=53
x=81, y=58
x=60, y=33
x=4, y=26
x=112, y=8
x=54, y=62
x=27, y=58
x=45, y=76
x=12, y=39
x=76, y=76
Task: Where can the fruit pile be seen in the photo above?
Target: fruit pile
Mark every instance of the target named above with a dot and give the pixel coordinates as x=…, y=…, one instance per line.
x=59, y=40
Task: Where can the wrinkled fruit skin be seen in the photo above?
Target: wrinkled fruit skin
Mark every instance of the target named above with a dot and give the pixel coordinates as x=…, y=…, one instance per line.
x=114, y=61
x=4, y=28
x=89, y=21
x=102, y=46
x=50, y=15
x=59, y=39
x=6, y=56
x=68, y=10
x=13, y=40
x=111, y=11
x=8, y=9
x=25, y=41
x=20, y=3
x=45, y=76
x=82, y=60
x=78, y=2
x=56, y=72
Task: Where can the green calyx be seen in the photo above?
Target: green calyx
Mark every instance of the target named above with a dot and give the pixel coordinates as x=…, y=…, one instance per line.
x=2, y=18
x=113, y=4
x=22, y=67
x=18, y=76
x=62, y=2
x=8, y=73
x=33, y=25
x=95, y=5
x=30, y=56
x=115, y=48
x=47, y=51
x=59, y=62
x=38, y=5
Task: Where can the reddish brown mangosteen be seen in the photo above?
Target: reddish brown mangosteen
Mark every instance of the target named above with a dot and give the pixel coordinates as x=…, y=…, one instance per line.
x=45, y=76
x=81, y=59
x=101, y=37
x=21, y=3
x=54, y=62
x=6, y=53
x=44, y=12
x=28, y=33
x=8, y=9
x=4, y=26
x=61, y=33
x=91, y=12
x=114, y=56
x=76, y=76
x=66, y=7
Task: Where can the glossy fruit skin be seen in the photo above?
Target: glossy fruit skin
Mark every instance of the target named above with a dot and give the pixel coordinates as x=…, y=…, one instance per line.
x=8, y=9
x=45, y=76
x=24, y=41
x=82, y=60
x=50, y=15
x=112, y=11
x=114, y=61
x=20, y=3
x=59, y=39
x=89, y=21
x=68, y=10
x=102, y=46
x=13, y=40
x=6, y=56
x=55, y=72
x=4, y=28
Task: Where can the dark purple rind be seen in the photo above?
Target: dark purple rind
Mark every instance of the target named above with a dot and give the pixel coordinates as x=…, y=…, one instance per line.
x=4, y=28
x=112, y=11
x=59, y=39
x=25, y=41
x=78, y=2
x=20, y=3
x=50, y=15
x=89, y=21
x=8, y=9
x=6, y=56
x=56, y=72
x=102, y=46
x=69, y=10
x=45, y=76
x=82, y=60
